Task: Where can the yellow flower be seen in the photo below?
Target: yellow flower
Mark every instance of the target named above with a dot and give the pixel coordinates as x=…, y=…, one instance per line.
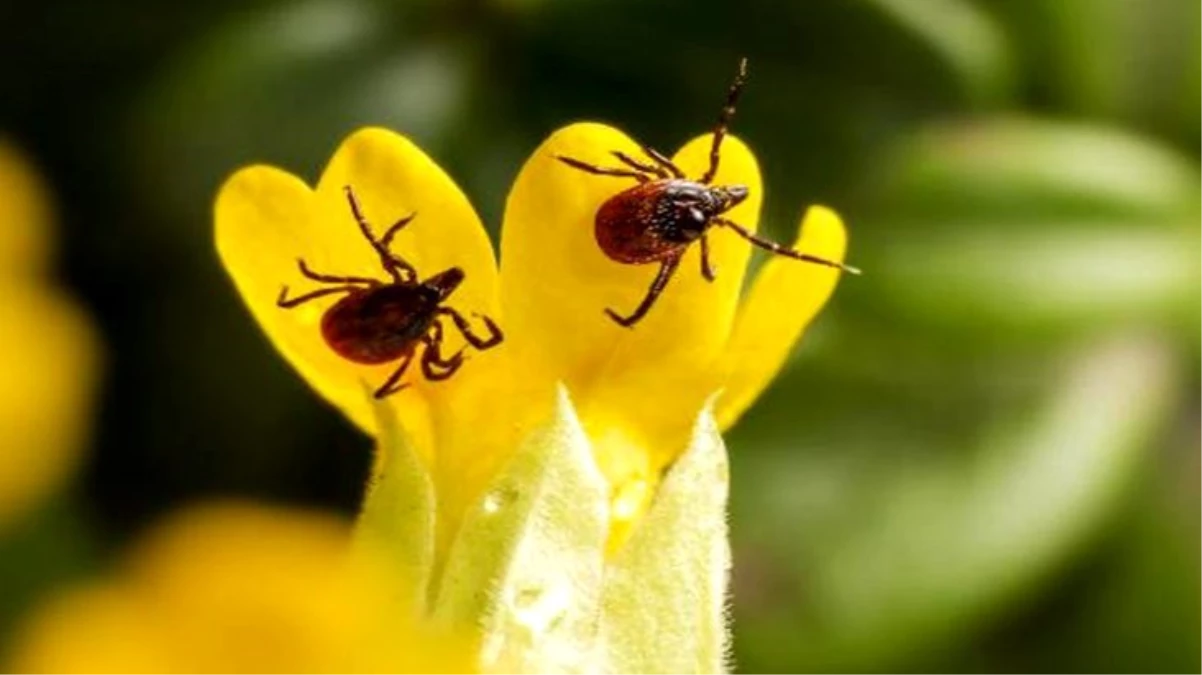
x=47, y=352
x=637, y=392
x=494, y=448
x=233, y=588
x=25, y=240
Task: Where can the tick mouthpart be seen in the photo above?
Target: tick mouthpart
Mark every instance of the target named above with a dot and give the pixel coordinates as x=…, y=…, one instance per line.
x=731, y=195
x=445, y=282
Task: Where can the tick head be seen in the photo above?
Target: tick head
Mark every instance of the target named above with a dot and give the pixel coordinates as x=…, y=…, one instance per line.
x=444, y=283
x=687, y=208
x=726, y=197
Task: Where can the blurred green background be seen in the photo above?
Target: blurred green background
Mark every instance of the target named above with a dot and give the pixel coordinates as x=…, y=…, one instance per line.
x=985, y=455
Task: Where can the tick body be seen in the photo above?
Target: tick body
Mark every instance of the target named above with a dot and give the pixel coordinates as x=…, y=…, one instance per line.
x=657, y=220
x=376, y=322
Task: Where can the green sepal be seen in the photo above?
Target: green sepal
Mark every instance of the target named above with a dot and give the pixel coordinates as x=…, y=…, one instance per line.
x=664, y=605
x=525, y=569
x=396, y=526
x=527, y=580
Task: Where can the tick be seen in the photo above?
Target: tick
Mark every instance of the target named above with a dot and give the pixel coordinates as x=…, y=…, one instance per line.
x=379, y=322
x=656, y=220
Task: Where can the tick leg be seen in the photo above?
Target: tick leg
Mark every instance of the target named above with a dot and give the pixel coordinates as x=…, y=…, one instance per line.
x=602, y=171
x=640, y=166
x=666, y=269
x=400, y=269
x=494, y=332
x=432, y=358
x=364, y=226
x=782, y=250
x=662, y=159
x=396, y=227
x=331, y=279
x=728, y=112
x=391, y=263
x=707, y=270
x=393, y=259
x=288, y=303
x=429, y=360
x=390, y=385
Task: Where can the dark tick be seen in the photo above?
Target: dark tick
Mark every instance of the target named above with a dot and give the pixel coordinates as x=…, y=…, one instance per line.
x=381, y=321
x=656, y=220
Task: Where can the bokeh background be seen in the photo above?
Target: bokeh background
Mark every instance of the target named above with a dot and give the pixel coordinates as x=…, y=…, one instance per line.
x=985, y=455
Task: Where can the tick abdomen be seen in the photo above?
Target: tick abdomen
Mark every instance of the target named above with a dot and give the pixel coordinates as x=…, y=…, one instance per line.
x=638, y=225
x=377, y=325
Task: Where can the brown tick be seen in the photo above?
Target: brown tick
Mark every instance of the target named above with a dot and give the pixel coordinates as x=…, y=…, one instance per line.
x=656, y=220
x=381, y=321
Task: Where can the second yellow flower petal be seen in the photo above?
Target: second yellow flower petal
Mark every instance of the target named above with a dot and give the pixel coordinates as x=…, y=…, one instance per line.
x=786, y=296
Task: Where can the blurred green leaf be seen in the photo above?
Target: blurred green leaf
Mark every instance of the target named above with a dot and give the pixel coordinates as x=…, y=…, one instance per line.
x=967, y=38
x=1191, y=89
x=1133, y=61
x=995, y=170
x=49, y=549
x=1030, y=225
x=1134, y=606
x=897, y=553
x=1097, y=50
x=1072, y=279
x=283, y=85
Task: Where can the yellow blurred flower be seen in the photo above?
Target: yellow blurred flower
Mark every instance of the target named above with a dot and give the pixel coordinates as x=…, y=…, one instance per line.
x=47, y=352
x=234, y=588
x=637, y=392
x=25, y=240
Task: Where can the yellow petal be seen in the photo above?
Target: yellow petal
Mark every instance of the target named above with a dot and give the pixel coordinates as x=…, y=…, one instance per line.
x=786, y=296
x=48, y=357
x=25, y=219
x=634, y=387
x=266, y=219
x=479, y=427
x=393, y=178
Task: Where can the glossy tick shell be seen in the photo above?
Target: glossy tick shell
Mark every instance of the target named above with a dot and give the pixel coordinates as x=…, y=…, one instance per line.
x=378, y=325
x=656, y=220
